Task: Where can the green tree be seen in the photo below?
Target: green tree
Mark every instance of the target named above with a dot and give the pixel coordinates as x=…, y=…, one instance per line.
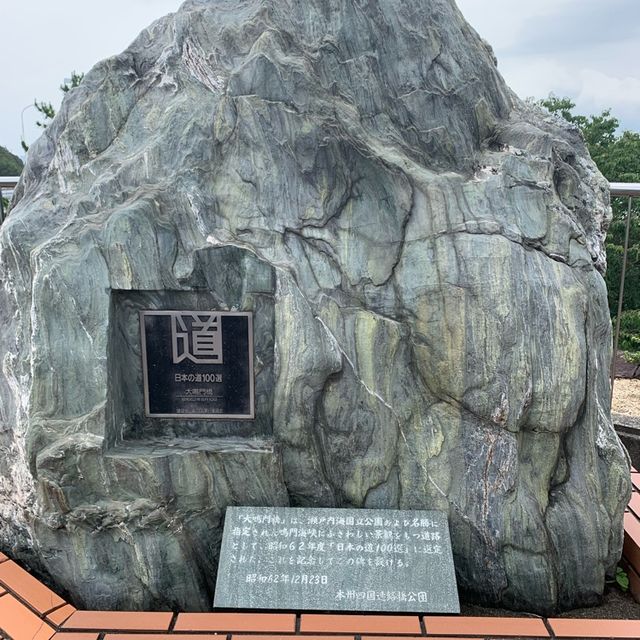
x=47, y=109
x=618, y=158
x=630, y=337
x=10, y=165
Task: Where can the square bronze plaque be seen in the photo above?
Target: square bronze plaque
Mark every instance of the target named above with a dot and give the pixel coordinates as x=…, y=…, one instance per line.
x=198, y=364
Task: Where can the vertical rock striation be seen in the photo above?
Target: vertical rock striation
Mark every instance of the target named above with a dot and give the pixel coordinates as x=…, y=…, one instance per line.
x=423, y=255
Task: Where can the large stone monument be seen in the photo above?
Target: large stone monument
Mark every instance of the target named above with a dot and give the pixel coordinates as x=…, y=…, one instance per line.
x=420, y=253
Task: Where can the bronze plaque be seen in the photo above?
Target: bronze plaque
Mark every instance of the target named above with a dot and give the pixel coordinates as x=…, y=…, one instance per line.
x=198, y=364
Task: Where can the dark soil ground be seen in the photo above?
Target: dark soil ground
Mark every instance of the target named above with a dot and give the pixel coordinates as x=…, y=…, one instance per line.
x=615, y=605
x=624, y=369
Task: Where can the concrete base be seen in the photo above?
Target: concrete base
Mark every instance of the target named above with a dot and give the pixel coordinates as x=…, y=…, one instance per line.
x=628, y=429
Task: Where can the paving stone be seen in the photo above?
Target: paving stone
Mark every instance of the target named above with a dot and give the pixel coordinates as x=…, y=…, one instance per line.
x=275, y=622
x=467, y=625
x=58, y=616
x=634, y=503
x=22, y=583
x=315, y=623
x=168, y=636
x=410, y=637
x=20, y=623
x=288, y=637
x=631, y=549
x=119, y=620
x=588, y=628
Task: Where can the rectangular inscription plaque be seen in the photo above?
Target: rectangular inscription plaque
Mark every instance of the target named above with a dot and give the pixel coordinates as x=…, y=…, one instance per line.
x=197, y=364
x=336, y=559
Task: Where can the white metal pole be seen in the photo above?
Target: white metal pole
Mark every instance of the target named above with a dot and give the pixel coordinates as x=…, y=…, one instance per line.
x=620, y=297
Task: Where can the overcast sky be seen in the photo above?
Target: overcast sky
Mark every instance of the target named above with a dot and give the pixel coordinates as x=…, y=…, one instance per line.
x=585, y=49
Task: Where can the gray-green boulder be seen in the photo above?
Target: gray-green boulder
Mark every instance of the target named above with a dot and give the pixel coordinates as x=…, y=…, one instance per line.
x=422, y=252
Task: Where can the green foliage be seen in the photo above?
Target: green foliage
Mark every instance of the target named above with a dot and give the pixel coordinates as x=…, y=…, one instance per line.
x=622, y=579
x=614, y=247
x=618, y=158
x=560, y=106
x=47, y=109
x=630, y=336
x=630, y=322
x=10, y=165
x=599, y=131
x=76, y=79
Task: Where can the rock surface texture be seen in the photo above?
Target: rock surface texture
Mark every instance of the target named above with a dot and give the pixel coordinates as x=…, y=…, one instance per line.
x=423, y=254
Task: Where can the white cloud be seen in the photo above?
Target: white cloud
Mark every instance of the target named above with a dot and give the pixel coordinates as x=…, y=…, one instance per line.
x=536, y=77
x=592, y=90
x=578, y=25
x=42, y=42
x=598, y=87
x=620, y=93
x=501, y=22
x=586, y=50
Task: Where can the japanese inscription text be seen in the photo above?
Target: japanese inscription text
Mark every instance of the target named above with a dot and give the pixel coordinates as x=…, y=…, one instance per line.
x=197, y=364
x=342, y=559
x=196, y=336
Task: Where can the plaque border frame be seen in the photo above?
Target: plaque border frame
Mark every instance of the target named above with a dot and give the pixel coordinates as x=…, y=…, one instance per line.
x=199, y=416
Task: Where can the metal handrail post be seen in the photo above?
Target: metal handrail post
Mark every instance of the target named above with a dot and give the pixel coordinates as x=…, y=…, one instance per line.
x=620, y=297
x=9, y=183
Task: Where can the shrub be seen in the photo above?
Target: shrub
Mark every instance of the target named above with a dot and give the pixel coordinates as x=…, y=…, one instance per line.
x=629, y=342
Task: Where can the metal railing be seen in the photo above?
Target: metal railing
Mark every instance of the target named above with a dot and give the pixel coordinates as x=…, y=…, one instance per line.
x=628, y=190
x=7, y=185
